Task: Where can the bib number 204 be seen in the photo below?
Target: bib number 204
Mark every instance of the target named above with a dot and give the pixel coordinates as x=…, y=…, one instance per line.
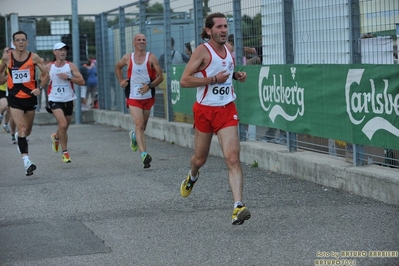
x=20, y=75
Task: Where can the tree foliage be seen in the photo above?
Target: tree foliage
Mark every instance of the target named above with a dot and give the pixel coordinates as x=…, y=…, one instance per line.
x=207, y=9
x=88, y=28
x=156, y=8
x=43, y=27
x=252, y=29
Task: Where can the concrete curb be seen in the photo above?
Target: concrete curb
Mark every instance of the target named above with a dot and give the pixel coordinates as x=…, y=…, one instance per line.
x=372, y=181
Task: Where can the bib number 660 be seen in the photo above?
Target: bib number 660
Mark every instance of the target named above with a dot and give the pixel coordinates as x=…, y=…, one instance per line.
x=220, y=90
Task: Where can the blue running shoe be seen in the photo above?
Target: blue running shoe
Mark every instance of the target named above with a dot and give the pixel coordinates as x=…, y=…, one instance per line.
x=133, y=142
x=146, y=160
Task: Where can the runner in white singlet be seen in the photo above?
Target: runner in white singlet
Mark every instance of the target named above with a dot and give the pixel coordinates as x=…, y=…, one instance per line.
x=217, y=94
x=139, y=75
x=61, y=94
x=211, y=71
x=143, y=75
x=60, y=90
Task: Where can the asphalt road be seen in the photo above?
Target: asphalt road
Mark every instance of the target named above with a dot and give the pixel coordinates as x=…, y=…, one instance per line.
x=105, y=209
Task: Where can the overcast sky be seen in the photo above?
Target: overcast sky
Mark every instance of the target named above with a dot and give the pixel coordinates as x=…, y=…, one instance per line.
x=64, y=7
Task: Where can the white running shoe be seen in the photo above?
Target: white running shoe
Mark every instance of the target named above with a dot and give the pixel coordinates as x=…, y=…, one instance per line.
x=29, y=167
x=6, y=128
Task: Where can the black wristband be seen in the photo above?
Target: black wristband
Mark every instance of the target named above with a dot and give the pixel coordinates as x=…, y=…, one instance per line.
x=150, y=86
x=234, y=75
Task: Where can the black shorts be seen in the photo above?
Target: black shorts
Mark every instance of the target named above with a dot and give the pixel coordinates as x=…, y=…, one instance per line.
x=25, y=104
x=3, y=94
x=67, y=107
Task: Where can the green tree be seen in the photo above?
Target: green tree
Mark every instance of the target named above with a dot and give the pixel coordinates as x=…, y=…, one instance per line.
x=114, y=20
x=43, y=27
x=207, y=9
x=155, y=11
x=156, y=8
x=88, y=27
x=252, y=29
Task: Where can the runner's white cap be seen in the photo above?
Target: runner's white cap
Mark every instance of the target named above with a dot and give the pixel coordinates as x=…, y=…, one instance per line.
x=60, y=45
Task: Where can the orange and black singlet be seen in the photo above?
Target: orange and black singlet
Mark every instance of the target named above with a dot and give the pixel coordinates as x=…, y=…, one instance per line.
x=21, y=80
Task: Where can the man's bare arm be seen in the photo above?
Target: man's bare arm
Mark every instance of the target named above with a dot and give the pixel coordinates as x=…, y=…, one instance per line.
x=118, y=70
x=77, y=76
x=155, y=63
x=44, y=76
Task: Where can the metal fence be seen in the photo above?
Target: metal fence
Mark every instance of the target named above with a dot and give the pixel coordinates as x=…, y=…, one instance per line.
x=281, y=32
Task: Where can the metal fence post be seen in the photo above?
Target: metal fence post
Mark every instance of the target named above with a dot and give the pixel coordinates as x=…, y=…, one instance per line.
x=14, y=25
x=76, y=58
x=100, y=43
x=239, y=51
x=354, y=14
x=168, y=59
x=198, y=20
x=292, y=144
x=143, y=16
x=122, y=47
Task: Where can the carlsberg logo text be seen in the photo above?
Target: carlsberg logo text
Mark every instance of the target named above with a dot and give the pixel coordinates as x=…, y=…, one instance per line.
x=275, y=93
x=360, y=104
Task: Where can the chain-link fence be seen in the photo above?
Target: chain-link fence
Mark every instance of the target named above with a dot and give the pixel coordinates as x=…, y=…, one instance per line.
x=263, y=32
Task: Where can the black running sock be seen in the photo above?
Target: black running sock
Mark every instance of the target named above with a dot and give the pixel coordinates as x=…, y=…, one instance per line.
x=22, y=145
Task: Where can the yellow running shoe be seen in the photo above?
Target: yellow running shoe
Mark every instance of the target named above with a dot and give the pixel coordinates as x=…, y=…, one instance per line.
x=187, y=185
x=55, y=141
x=66, y=158
x=240, y=214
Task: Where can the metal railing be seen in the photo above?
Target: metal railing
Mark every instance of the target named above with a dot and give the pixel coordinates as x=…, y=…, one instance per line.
x=283, y=31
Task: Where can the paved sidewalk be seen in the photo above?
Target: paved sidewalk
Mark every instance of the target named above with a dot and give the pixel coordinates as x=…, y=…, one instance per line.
x=105, y=209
